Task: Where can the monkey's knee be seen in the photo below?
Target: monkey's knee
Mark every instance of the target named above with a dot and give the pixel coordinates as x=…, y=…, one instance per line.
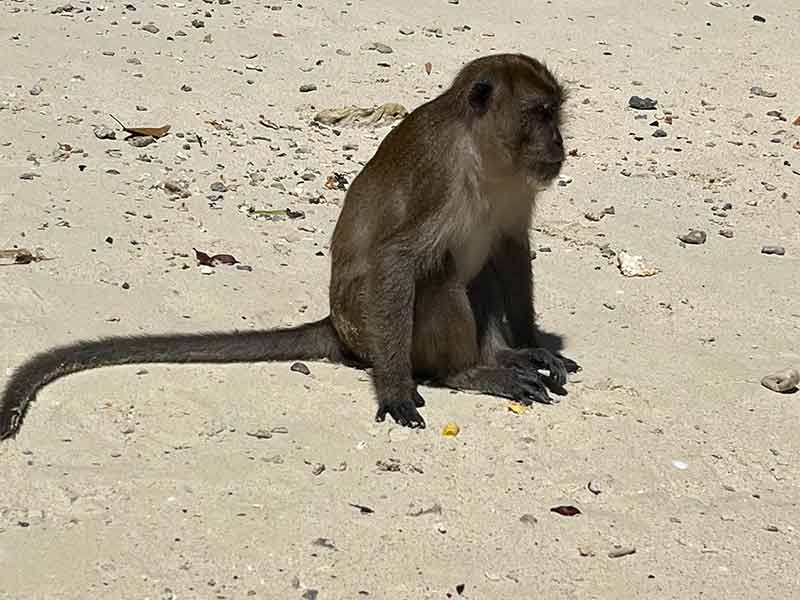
x=445, y=339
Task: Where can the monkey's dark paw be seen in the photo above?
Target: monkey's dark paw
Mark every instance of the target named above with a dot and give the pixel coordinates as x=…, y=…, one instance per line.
x=570, y=365
x=527, y=386
x=404, y=413
x=539, y=358
x=419, y=401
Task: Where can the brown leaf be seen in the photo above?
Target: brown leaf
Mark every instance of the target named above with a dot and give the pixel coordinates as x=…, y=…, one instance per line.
x=797, y=121
x=20, y=256
x=566, y=510
x=428, y=67
x=156, y=132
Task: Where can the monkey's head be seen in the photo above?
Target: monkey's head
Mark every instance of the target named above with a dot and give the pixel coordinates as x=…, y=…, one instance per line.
x=513, y=105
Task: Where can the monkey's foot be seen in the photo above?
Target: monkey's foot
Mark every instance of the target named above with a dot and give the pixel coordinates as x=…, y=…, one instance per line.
x=403, y=411
x=539, y=358
x=523, y=385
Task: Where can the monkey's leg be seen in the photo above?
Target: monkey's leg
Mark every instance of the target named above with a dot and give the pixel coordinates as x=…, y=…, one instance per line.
x=390, y=325
x=508, y=280
x=446, y=347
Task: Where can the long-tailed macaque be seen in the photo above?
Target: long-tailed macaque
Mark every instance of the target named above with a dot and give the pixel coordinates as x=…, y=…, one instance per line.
x=430, y=260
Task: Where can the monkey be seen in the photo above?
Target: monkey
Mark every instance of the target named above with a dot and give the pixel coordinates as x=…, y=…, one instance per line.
x=430, y=268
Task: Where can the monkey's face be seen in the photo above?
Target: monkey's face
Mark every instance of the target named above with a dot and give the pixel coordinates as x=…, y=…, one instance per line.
x=540, y=145
x=517, y=102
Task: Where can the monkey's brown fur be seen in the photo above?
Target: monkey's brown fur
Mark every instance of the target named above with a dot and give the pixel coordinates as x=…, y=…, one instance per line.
x=430, y=259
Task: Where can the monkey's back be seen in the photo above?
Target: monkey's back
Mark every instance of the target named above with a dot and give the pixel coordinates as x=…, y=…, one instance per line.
x=398, y=188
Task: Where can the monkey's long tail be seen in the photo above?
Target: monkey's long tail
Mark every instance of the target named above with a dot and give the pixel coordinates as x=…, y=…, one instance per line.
x=317, y=340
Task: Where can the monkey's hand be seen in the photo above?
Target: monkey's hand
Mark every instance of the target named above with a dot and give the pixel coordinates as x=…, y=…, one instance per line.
x=522, y=384
x=540, y=358
x=403, y=410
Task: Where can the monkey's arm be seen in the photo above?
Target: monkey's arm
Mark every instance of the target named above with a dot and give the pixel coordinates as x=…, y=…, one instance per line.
x=514, y=268
x=513, y=260
x=390, y=322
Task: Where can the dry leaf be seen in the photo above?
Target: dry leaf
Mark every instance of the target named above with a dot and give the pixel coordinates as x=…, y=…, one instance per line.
x=451, y=430
x=428, y=67
x=517, y=408
x=797, y=121
x=156, y=132
x=20, y=256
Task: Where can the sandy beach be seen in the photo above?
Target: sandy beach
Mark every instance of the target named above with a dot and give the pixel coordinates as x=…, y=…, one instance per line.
x=258, y=481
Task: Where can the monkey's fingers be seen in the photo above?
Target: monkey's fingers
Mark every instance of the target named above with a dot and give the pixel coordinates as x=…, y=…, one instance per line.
x=405, y=414
x=570, y=365
x=419, y=401
x=534, y=389
x=543, y=358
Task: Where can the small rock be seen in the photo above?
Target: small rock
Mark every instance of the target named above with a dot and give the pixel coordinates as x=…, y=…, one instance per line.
x=140, y=141
x=186, y=87
x=759, y=91
x=382, y=48
x=640, y=103
x=28, y=176
x=632, y=265
x=150, y=28
x=318, y=469
x=659, y=133
x=35, y=90
x=299, y=367
x=776, y=250
x=726, y=233
x=620, y=551
x=693, y=236
x=783, y=381
x=218, y=186
x=104, y=133
x=308, y=87
x=759, y=19
x=261, y=434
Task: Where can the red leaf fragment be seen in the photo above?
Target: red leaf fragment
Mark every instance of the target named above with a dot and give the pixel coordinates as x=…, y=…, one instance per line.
x=202, y=258
x=212, y=261
x=428, y=67
x=566, y=510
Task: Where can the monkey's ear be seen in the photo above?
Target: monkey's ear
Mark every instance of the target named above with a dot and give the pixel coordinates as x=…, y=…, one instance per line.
x=480, y=96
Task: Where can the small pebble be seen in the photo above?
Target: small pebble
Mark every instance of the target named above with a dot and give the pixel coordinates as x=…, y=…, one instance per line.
x=776, y=250
x=640, y=103
x=150, y=28
x=693, y=236
x=659, y=133
x=104, y=133
x=759, y=91
x=726, y=233
x=308, y=87
x=140, y=141
x=595, y=487
x=318, y=469
x=783, y=381
x=620, y=551
x=35, y=90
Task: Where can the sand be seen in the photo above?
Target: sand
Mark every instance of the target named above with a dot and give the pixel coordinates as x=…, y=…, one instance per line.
x=208, y=482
